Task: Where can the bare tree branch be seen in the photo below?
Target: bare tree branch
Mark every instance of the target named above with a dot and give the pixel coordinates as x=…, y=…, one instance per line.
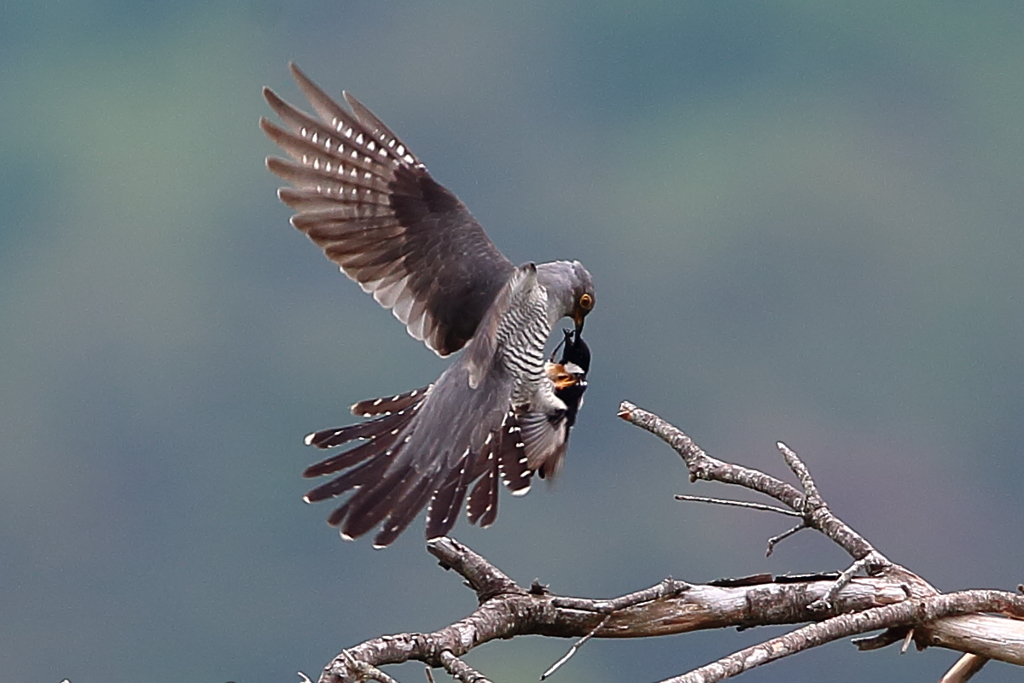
x=703, y=466
x=889, y=597
x=910, y=612
x=667, y=608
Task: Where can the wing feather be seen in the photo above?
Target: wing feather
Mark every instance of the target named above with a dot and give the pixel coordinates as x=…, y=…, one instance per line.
x=364, y=198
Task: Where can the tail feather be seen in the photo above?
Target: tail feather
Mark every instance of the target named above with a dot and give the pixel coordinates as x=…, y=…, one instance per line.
x=491, y=511
x=382, y=433
x=367, y=472
x=511, y=457
x=370, y=505
x=391, y=404
x=328, y=438
x=378, y=446
x=482, y=507
x=447, y=500
x=338, y=514
x=400, y=517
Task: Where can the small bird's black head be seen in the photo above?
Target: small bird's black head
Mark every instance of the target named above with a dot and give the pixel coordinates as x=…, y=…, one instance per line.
x=575, y=350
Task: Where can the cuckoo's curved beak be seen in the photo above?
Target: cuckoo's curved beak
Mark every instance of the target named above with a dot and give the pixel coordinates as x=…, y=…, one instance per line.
x=578, y=317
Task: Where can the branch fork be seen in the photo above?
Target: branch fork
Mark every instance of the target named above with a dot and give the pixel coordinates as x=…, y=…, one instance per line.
x=872, y=593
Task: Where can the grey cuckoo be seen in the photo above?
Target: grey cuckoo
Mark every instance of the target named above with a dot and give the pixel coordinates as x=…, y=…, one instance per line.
x=499, y=413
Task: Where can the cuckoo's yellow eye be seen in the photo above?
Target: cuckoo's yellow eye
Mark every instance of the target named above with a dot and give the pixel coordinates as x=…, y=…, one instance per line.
x=586, y=302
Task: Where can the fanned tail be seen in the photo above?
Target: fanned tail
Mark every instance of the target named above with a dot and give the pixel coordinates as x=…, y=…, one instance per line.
x=378, y=438
x=390, y=480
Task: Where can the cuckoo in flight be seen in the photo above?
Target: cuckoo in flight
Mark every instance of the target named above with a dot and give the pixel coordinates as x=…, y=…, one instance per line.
x=499, y=412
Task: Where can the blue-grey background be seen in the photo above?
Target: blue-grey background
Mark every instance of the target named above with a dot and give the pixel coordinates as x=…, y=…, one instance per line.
x=805, y=220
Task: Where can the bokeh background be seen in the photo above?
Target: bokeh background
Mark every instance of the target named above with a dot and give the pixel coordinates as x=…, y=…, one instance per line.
x=805, y=220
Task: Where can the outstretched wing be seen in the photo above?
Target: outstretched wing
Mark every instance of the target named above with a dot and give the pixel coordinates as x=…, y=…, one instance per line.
x=368, y=202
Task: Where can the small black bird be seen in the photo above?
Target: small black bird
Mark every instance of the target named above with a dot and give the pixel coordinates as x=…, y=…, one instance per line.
x=496, y=413
x=569, y=375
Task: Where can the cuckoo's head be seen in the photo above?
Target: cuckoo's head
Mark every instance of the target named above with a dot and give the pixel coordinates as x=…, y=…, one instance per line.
x=570, y=290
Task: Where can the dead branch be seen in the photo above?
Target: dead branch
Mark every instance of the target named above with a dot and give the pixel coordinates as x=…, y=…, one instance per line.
x=872, y=593
x=908, y=613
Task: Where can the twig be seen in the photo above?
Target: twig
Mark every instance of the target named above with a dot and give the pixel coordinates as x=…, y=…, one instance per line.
x=737, y=503
x=483, y=577
x=460, y=670
x=575, y=647
x=907, y=640
x=368, y=672
x=668, y=588
x=872, y=559
x=775, y=540
x=964, y=669
x=803, y=475
x=886, y=638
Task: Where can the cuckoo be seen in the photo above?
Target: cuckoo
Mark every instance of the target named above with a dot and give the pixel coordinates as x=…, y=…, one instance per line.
x=500, y=413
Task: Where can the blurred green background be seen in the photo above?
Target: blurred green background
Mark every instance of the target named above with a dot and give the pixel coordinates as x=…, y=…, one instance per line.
x=805, y=221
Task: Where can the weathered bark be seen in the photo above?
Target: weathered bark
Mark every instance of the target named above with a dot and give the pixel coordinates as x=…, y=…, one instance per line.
x=840, y=605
